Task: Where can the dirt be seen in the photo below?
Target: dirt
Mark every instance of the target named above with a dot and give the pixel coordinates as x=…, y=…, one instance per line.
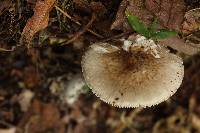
x=51, y=61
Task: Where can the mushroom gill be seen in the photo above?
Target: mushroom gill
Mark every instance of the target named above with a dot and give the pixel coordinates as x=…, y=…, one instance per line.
x=131, y=78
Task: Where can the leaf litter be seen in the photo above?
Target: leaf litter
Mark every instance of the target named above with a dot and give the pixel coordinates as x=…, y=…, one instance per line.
x=88, y=114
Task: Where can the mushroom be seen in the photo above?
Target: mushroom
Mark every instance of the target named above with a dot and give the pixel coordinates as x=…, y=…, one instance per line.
x=141, y=74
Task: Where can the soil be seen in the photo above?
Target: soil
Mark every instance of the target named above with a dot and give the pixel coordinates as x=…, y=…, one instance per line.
x=29, y=100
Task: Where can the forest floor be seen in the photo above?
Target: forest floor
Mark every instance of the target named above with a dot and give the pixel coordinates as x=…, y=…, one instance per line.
x=41, y=85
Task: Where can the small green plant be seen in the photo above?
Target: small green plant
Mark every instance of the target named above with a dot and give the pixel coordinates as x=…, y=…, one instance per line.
x=149, y=32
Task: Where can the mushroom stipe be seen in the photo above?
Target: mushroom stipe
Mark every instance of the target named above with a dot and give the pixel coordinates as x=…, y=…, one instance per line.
x=131, y=78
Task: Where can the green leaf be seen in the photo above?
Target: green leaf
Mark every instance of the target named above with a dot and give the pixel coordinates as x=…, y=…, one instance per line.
x=162, y=34
x=153, y=27
x=138, y=26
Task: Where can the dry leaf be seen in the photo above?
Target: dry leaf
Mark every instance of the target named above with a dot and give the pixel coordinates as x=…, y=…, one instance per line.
x=38, y=21
x=192, y=21
x=120, y=18
x=194, y=39
x=4, y=5
x=41, y=117
x=31, y=77
x=135, y=7
x=170, y=13
x=11, y=130
x=179, y=45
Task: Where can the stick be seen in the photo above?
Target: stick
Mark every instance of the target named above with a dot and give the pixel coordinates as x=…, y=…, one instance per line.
x=78, y=23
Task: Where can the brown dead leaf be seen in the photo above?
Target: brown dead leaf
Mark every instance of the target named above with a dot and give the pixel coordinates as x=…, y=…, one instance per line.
x=179, y=45
x=4, y=5
x=135, y=7
x=192, y=21
x=42, y=117
x=120, y=18
x=11, y=130
x=38, y=21
x=86, y=114
x=170, y=13
x=32, y=77
x=193, y=39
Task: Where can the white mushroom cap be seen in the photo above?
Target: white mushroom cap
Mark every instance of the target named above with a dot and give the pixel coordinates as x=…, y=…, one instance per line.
x=131, y=79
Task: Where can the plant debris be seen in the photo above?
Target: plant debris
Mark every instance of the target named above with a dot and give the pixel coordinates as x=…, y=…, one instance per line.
x=192, y=21
x=180, y=45
x=170, y=13
x=38, y=21
x=47, y=70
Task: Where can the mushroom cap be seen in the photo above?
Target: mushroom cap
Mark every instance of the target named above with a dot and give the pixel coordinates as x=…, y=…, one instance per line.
x=131, y=79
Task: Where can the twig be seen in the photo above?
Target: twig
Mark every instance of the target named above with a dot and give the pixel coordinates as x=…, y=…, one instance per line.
x=7, y=50
x=116, y=36
x=78, y=34
x=78, y=23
